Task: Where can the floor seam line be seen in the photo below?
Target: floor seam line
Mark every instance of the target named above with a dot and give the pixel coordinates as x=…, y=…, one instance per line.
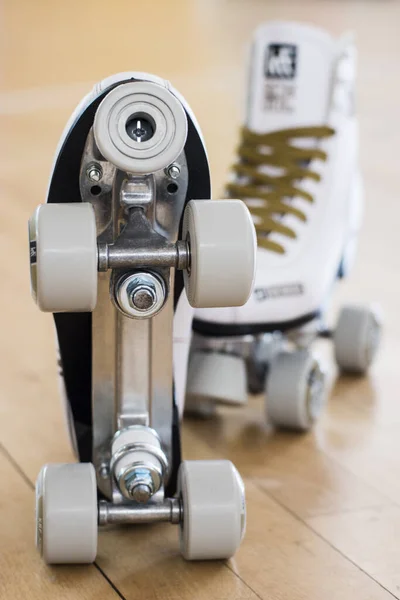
x=15, y=464
x=349, y=511
x=321, y=537
x=356, y=476
x=243, y=581
x=23, y=475
x=109, y=581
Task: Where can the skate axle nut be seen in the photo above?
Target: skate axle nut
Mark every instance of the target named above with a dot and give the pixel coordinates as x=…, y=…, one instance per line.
x=143, y=297
x=139, y=480
x=139, y=484
x=141, y=294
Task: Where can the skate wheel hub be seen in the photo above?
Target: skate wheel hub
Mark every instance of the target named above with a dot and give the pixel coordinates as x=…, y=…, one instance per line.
x=140, y=127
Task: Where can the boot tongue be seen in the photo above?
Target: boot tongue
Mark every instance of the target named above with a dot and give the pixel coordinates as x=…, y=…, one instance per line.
x=290, y=77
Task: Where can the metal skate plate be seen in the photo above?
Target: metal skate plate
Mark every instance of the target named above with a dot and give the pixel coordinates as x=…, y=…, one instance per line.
x=131, y=358
x=258, y=350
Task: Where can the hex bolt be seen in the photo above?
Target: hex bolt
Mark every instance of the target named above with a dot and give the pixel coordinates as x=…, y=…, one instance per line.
x=139, y=484
x=140, y=295
x=173, y=171
x=94, y=173
x=143, y=297
x=141, y=493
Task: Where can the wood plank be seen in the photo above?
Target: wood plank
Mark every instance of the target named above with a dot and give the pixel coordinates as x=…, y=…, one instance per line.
x=284, y=559
x=145, y=562
x=22, y=572
x=292, y=468
x=370, y=538
x=280, y=558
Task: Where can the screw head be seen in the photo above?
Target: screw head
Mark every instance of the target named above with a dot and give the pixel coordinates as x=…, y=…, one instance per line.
x=139, y=484
x=143, y=297
x=94, y=173
x=140, y=295
x=139, y=129
x=173, y=171
x=141, y=493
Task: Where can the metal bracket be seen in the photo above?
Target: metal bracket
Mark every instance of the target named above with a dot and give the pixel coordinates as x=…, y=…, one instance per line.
x=140, y=246
x=137, y=221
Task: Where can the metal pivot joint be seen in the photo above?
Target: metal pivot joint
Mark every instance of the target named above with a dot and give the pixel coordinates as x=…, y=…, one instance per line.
x=138, y=463
x=141, y=294
x=139, y=245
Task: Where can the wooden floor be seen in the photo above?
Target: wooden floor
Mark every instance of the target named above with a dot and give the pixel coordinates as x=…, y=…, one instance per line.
x=324, y=508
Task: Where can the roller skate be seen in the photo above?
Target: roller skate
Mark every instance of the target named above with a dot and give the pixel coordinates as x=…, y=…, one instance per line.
x=123, y=249
x=297, y=169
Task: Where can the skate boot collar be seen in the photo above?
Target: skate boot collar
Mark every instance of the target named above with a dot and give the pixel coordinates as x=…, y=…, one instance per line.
x=290, y=76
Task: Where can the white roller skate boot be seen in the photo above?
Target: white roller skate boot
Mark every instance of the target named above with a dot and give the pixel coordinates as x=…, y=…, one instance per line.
x=122, y=236
x=297, y=168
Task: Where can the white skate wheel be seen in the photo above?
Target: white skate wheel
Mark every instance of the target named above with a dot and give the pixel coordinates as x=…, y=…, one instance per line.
x=222, y=253
x=215, y=377
x=295, y=390
x=356, y=338
x=214, y=509
x=140, y=127
x=63, y=248
x=66, y=513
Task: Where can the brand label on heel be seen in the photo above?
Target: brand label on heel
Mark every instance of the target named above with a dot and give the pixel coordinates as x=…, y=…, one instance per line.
x=33, y=252
x=39, y=522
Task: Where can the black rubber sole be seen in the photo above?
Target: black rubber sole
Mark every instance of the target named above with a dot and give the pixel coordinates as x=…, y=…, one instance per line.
x=210, y=329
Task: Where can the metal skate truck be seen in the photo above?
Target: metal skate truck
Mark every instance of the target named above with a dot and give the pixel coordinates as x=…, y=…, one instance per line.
x=123, y=249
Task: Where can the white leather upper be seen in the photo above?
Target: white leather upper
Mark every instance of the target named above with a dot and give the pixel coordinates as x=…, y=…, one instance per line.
x=297, y=283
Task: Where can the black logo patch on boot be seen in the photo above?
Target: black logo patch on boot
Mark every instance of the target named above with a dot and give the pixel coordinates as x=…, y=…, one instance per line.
x=33, y=252
x=280, y=61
